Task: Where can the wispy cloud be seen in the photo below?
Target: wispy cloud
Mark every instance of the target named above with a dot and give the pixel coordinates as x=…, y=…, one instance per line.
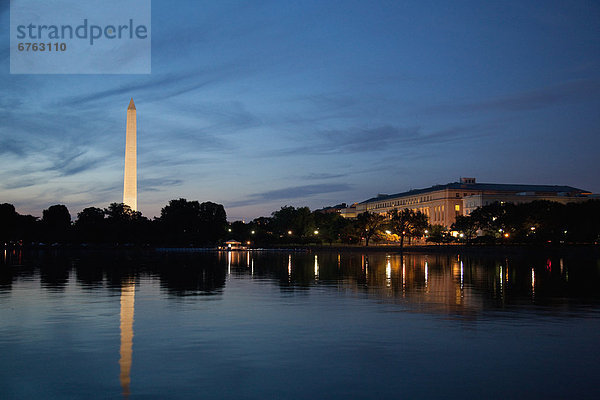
x=322, y=176
x=157, y=184
x=230, y=116
x=14, y=147
x=567, y=92
x=21, y=183
x=72, y=161
x=379, y=139
x=160, y=87
x=293, y=192
x=137, y=87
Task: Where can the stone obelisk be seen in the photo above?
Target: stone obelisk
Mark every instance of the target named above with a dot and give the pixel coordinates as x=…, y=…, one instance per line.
x=130, y=181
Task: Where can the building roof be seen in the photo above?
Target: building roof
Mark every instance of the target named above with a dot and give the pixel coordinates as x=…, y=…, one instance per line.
x=501, y=187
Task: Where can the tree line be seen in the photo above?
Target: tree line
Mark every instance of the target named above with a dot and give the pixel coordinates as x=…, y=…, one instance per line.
x=535, y=222
x=191, y=223
x=301, y=226
x=181, y=222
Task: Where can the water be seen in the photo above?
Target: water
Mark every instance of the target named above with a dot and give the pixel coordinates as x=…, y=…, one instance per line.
x=298, y=326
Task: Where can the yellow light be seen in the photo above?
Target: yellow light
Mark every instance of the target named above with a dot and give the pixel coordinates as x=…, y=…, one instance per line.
x=506, y=235
x=253, y=232
x=289, y=232
x=316, y=232
x=388, y=274
x=457, y=207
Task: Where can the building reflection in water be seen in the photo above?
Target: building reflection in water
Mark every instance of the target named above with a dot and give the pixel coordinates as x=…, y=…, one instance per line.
x=229, y=263
x=403, y=278
x=12, y=256
x=462, y=275
x=532, y=283
x=426, y=275
x=388, y=273
x=126, y=351
x=441, y=283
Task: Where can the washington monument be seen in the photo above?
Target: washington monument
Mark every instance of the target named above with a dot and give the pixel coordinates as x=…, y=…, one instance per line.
x=130, y=181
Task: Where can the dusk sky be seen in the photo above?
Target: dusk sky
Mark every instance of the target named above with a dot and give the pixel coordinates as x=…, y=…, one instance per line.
x=260, y=104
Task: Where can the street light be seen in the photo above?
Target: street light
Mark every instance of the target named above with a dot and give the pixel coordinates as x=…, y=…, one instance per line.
x=253, y=232
x=289, y=232
x=316, y=232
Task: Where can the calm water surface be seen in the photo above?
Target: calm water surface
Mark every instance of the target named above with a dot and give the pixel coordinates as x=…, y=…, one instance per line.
x=298, y=326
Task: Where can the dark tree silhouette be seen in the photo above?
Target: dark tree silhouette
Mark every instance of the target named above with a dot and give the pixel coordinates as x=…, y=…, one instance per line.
x=119, y=212
x=90, y=216
x=214, y=222
x=466, y=226
x=437, y=233
x=408, y=223
x=298, y=221
x=369, y=225
x=181, y=221
x=57, y=223
x=8, y=222
x=329, y=226
x=125, y=225
x=90, y=225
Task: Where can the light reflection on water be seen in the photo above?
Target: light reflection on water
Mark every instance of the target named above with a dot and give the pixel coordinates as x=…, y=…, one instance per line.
x=298, y=325
x=127, y=315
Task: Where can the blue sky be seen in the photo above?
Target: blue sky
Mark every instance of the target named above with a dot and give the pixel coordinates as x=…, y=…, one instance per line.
x=260, y=104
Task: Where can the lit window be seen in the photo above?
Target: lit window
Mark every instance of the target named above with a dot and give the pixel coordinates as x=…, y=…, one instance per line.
x=457, y=208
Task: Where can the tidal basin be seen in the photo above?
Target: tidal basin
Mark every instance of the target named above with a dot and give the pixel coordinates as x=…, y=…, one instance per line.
x=299, y=325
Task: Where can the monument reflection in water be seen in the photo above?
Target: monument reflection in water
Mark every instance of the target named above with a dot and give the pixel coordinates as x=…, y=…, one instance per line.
x=437, y=324
x=127, y=312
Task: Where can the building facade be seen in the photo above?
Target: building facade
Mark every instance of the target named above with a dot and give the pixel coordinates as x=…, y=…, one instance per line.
x=443, y=203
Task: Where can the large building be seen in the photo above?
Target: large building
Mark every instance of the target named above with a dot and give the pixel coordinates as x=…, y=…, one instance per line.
x=443, y=203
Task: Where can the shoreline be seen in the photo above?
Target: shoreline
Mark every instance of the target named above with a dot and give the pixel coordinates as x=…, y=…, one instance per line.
x=569, y=249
